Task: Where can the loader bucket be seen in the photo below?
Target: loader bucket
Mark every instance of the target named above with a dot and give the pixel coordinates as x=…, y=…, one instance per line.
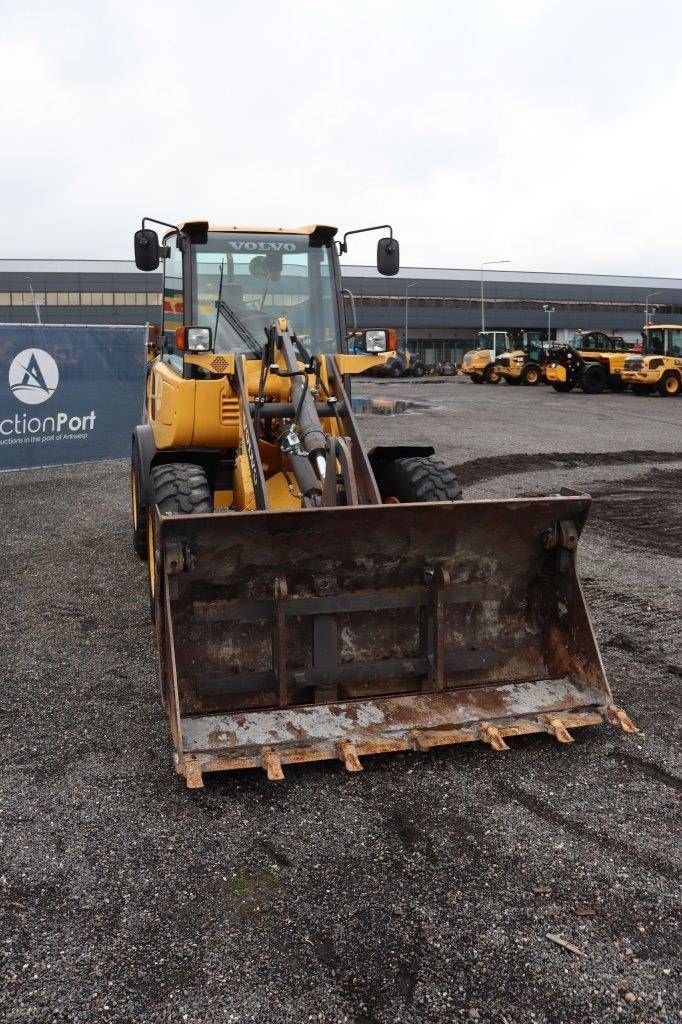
x=335, y=633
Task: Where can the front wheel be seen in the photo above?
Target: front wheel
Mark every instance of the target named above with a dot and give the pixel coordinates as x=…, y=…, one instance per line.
x=594, y=380
x=531, y=374
x=421, y=478
x=669, y=385
x=178, y=488
x=491, y=375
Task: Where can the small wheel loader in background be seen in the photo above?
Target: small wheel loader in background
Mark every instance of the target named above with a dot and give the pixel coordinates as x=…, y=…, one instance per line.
x=525, y=364
x=479, y=363
x=659, y=367
x=313, y=600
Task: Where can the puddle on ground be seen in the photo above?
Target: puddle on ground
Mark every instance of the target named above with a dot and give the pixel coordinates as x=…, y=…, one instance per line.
x=384, y=406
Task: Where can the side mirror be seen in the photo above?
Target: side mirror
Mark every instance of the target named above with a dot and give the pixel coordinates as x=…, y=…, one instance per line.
x=388, y=256
x=146, y=249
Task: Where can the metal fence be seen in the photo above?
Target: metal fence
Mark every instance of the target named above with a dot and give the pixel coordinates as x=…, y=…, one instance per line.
x=68, y=393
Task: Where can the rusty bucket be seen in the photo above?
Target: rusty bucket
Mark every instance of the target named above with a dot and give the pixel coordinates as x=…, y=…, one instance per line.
x=288, y=636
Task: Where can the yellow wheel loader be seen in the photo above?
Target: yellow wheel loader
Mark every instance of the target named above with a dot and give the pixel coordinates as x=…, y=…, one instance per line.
x=480, y=363
x=659, y=367
x=524, y=365
x=314, y=600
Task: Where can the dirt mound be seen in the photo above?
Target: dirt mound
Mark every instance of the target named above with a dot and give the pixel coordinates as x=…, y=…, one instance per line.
x=489, y=466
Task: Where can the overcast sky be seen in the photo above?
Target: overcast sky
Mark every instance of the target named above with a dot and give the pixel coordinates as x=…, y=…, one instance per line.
x=546, y=132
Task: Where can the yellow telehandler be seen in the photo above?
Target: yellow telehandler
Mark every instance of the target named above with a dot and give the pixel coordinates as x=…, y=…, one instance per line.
x=312, y=599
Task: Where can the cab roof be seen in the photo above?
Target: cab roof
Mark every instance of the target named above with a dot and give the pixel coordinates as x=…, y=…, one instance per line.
x=309, y=229
x=663, y=327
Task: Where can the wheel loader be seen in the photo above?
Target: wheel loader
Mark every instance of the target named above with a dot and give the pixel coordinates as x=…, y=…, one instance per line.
x=525, y=364
x=313, y=599
x=479, y=364
x=659, y=367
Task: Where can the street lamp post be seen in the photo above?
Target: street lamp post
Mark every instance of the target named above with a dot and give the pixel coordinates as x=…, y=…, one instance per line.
x=549, y=310
x=486, y=263
x=407, y=288
x=646, y=306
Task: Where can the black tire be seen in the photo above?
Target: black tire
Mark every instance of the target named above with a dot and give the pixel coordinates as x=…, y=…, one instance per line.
x=594, y=380
x=531, y=374
x=669, y=384
x=642, y=389
x=491, y=375
x=178, y=488
x=138, y=510
x=421, y=478
x=563, y=387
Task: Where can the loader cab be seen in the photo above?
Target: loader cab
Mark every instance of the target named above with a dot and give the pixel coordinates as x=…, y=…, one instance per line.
x=222, y=286
x=496, y=342
x=663, y=341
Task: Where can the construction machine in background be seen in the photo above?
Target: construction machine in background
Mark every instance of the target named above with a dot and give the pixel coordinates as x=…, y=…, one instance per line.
x=525, y=364
x=313, y=599
x=659, y=367
x=594, y=362
x=479, y=363
x=400, y=363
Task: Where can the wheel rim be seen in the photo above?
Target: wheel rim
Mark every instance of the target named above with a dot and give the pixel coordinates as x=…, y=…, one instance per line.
x=151, y=557
x=672, y=385
x=532, y=377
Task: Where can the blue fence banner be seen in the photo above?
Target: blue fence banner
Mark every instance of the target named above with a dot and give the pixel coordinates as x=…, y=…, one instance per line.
x=68, y=393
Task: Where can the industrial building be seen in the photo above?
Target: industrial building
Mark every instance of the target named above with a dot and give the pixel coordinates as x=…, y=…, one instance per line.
x=439, y=309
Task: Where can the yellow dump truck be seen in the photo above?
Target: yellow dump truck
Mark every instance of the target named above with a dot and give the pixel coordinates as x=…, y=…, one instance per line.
x=659, y=367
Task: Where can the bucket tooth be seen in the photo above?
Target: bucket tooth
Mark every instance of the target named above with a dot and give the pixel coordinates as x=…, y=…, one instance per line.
x=616, y=716
x=191, y=769
x=349, y=755
x=491, y=735
x=556, y=728
x=271, y=762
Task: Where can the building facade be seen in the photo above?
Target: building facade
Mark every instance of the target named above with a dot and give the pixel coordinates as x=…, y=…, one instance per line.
x=439, y=310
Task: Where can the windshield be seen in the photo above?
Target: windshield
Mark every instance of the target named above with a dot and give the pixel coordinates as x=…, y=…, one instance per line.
x=655, y=343
x=244, y=281
x=486, y=339
x=665, y=342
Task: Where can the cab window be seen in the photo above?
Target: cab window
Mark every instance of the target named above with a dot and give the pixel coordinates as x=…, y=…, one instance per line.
x=675, y=343
x=173, y=309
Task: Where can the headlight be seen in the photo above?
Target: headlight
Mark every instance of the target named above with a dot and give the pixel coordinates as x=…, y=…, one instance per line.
x=198, y=339
x=375, y=341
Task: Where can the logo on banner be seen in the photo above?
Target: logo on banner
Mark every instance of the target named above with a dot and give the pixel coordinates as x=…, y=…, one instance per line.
x=33, y=376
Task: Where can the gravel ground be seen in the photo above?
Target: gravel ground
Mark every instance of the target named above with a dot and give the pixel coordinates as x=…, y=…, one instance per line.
x=421, y=890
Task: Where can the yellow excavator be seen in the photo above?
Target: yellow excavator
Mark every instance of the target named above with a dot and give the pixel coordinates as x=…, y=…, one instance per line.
x=312, y=599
